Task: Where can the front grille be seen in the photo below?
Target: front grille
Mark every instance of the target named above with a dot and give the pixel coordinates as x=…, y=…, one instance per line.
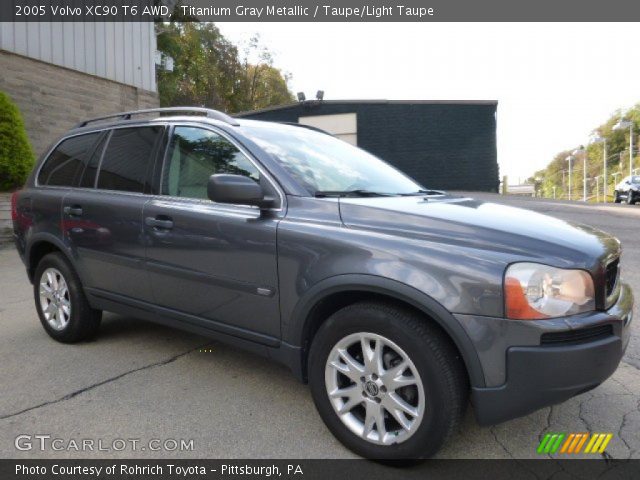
x=611, y=277
x=581, y=335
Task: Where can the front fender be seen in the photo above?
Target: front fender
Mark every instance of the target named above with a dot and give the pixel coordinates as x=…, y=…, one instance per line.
x=296, y=330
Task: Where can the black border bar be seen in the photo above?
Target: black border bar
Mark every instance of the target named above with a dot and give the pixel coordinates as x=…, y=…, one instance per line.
x=117, y=469
x=320, y=10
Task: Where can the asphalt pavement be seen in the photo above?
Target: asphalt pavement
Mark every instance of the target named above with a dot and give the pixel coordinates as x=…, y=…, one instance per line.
x=147, y=387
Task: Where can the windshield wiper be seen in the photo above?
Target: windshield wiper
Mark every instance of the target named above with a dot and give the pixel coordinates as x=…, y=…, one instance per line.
x=350, y=193
x=422, y=192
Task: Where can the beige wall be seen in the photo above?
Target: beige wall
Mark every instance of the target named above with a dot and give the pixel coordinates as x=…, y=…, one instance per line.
x=52, y=99
x=342, y=125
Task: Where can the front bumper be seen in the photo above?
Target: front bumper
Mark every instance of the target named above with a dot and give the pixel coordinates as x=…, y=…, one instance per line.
x=538, y=375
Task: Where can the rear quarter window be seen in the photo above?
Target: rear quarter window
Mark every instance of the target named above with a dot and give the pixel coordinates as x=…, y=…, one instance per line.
x=67, y=160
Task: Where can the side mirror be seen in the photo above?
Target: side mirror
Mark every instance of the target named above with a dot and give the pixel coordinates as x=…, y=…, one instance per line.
x=237, y=190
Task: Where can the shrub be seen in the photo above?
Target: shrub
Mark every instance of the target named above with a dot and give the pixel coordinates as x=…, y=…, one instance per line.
x=16, y=154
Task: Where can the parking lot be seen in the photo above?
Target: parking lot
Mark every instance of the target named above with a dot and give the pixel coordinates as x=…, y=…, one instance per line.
x=141, y=381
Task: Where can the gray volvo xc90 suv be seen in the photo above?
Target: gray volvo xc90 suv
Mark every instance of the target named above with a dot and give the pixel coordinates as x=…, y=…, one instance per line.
x=396, y=303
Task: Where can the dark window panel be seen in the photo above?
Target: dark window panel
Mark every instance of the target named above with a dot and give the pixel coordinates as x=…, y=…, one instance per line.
x=66, y=161
x=127, y=158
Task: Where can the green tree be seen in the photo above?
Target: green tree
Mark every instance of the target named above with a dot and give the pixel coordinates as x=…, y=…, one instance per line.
x=16, y=154
x=208, y=70
x=261, y=84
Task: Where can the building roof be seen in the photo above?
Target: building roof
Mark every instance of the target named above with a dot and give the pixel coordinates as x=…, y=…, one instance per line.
x=368, y=102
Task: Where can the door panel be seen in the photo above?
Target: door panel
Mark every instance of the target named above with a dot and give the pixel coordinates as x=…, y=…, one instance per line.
x=105, y=232
x=104, y=224
x=215, y=262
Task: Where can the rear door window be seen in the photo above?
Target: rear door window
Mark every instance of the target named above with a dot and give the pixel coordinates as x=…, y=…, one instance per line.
x=66, y=160
x=128, y=158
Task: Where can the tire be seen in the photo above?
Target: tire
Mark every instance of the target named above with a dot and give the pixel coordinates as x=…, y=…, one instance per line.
x=616, y=197
x=67, y=325
x=630, y=198
x=438, y=396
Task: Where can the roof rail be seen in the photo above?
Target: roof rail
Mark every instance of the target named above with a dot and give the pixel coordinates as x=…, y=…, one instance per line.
x=209, y=113
x=308, y=127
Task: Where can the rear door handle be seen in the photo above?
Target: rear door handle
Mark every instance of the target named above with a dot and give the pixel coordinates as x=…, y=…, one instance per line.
x=160, y=223
x=75, y=210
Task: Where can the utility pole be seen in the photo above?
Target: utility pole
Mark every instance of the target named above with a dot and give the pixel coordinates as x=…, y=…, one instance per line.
x=584, y=177
x=630, y=148
x=569, y=159
x=603, y=140
x=604, y=178
x=622, y=124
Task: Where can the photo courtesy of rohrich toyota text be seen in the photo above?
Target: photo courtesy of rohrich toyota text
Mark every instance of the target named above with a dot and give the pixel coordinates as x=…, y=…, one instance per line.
x=319, y=239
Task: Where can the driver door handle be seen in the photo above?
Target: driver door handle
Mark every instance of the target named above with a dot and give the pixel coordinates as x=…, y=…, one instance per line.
x=75, y=210
x=159, y=223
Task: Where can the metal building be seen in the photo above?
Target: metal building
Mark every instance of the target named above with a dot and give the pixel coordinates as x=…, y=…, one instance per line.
x=442, y=144
x=61, y=72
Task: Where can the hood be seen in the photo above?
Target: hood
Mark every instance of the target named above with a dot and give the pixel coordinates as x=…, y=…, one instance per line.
x=475, y=224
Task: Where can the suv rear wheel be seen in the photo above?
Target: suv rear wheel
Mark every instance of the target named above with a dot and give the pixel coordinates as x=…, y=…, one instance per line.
x=62, y=306
x=388, y=384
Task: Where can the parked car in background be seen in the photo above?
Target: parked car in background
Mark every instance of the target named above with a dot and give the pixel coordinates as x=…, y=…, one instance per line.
x=628, y=190
x=396, y=303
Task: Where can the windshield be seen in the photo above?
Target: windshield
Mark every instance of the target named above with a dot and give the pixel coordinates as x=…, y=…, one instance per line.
x=323, y=163
x=635, y=179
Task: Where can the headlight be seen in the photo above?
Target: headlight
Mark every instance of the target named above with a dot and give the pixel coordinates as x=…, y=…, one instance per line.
x=533, y=291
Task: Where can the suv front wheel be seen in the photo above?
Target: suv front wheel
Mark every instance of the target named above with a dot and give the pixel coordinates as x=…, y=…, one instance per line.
x=387, y=383
x=62, y=306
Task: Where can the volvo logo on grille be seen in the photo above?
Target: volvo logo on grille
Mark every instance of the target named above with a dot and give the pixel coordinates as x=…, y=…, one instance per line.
x=371, y=388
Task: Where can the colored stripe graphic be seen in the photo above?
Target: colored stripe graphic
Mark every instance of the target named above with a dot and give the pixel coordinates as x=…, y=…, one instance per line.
x=577, y=444
x=543, y=443
x=598, y=443
x=572, y=443
x=581, y=443
x=556, y=445
x=550, y=443
x=567, y=443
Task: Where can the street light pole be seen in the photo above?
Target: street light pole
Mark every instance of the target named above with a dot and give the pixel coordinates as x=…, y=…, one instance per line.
x=581, y=151
x=569, y=159
x=584, y=177
x=622, y=124
x=630, y=148
x=603, y=140
x=604, y=177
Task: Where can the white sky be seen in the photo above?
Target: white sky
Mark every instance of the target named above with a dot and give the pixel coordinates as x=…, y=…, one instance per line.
x=554, y=81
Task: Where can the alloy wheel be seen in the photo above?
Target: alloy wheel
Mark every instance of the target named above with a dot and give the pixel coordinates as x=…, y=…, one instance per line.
x=55, y=301
x=375, y=388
